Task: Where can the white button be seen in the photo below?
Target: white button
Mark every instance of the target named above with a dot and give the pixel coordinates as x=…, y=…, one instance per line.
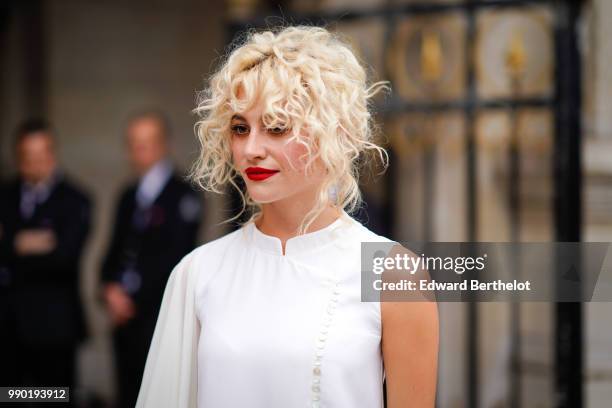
x=316, y=398
x=316, y=371
x=315, y=404
x=315, y=388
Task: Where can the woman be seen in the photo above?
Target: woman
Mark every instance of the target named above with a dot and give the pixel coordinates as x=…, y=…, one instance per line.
x=270, y=314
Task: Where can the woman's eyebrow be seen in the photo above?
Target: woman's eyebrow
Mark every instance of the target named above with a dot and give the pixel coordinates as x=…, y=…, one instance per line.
x=238, y=117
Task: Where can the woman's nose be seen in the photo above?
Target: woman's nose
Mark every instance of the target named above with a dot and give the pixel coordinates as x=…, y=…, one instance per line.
x=255, y=145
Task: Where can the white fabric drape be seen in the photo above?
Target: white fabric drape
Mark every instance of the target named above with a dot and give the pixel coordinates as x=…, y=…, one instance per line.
x=170, y=375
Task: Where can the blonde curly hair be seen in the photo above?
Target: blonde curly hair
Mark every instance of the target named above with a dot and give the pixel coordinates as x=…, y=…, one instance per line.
x=308, y=79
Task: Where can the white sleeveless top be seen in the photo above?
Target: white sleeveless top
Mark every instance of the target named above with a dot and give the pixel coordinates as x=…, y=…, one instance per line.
x=242, y=325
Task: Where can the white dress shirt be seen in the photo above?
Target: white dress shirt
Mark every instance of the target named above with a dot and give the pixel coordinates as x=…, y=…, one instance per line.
x=33, y=195
x=152, y=183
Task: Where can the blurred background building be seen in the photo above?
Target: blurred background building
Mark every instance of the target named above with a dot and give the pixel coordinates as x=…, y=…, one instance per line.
x=499, y=128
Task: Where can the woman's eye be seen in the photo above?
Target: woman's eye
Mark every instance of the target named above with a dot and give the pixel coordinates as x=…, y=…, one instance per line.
x=277, y=130
x=239, y=129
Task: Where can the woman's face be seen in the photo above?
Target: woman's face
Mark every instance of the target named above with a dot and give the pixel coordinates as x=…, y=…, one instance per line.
x=264, y=158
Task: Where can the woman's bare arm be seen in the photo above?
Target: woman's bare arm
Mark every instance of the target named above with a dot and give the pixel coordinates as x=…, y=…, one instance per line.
x=410, y=335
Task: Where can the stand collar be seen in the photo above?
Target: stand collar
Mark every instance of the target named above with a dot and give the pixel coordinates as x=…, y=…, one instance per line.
x=300, y=243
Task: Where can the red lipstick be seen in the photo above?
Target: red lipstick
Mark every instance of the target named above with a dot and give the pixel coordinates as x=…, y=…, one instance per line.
x=259, y=173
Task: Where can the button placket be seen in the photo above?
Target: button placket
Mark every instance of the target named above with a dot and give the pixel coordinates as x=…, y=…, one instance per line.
x=321, y=341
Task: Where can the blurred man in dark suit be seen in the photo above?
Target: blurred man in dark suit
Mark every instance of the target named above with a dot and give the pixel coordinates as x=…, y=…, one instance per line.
x=45, y=220
x=157, y=219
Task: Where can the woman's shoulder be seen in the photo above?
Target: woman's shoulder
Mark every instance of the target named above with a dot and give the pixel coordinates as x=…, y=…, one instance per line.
x=200, y=259
x=219, y=247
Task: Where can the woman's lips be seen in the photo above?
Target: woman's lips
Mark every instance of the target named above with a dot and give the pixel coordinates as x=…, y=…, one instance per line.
x=259, y=173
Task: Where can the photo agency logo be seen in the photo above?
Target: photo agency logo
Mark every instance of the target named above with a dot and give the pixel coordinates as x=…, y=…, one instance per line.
x=486, y=271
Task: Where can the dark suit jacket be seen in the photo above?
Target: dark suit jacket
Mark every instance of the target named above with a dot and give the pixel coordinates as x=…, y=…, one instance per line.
x=41, y=292
x=148, y=244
